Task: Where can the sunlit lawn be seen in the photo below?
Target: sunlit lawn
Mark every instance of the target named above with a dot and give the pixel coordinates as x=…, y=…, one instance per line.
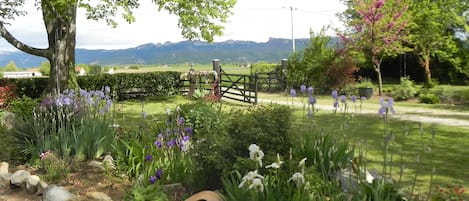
x=447, y=152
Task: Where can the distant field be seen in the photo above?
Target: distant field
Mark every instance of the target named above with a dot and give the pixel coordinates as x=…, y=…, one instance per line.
x=228, y=68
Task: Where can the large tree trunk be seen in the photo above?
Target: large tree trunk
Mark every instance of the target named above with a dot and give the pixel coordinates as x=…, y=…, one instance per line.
x=424, y=61
x=61, y=32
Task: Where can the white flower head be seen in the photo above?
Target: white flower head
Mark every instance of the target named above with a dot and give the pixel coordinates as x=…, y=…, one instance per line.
x=275, y=165
x=298, y=178
x=186, y=146
x=257, y=184
x=256, y=154
x=249, y=177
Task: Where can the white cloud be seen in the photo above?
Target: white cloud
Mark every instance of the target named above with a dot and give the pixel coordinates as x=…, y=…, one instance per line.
x=255, y=20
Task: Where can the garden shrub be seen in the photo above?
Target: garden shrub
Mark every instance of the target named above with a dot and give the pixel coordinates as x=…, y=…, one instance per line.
x=23, y=107
x=212, y=152
x=429, y=98
x=405, y=90
x=266, y=126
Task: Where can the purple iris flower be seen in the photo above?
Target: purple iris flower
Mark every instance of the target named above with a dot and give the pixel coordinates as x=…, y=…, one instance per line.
x=386, y=106
x=303, y=88
x=107, y=89
x=310, y=90
x=161, y=136
x=180, y=121
x=159, y=173
x=312, y=100
x=293, y=92
x=171, y=143
x=343, y=98
x=185, y=138
x=353, y=98
x=153, y=179
x=335, y=94
x=148, y=157
x=158, y=143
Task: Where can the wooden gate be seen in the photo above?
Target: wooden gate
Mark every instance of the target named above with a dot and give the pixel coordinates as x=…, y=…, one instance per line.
x=236, y=87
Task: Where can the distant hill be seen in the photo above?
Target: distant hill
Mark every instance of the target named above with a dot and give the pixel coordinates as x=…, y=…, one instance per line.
x=230, y=51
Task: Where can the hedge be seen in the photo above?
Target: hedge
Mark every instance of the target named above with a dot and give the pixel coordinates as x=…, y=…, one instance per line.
x=149, y=84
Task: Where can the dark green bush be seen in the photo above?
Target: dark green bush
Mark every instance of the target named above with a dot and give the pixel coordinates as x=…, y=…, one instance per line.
x=405, y=90
x=23, y=106
x=212, y=151
x=266, y=126
x=429, y=98
x=153, y=84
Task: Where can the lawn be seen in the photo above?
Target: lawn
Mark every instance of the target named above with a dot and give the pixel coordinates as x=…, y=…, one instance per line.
x=419, y=148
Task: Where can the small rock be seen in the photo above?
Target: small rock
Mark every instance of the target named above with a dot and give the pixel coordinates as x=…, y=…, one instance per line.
x=57, y=193
x=4, y=179
x=3, y=168
x=42, y=185
x=349, y=180
x=96, y=164
x=98, y=196
x=108, y=162
x=19, y=177
x=31, y=184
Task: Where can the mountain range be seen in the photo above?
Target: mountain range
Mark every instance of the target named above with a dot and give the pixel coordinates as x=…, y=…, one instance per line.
x=230, y=51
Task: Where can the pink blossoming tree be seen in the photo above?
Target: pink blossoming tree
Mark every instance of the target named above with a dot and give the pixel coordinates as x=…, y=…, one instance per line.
x=379, y=29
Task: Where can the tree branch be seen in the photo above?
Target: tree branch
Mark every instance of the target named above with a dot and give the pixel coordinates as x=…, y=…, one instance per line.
x=20, y=45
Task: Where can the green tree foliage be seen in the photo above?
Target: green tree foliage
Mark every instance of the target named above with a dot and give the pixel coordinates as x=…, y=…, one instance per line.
x=378, y=28
x=435, y=22
x=322, y=64
x=309, y=66
x=197, y=19
x=44, y=68
x=11, y=66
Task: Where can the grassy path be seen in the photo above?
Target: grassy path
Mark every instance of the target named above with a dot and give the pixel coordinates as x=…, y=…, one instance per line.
x=404, y=111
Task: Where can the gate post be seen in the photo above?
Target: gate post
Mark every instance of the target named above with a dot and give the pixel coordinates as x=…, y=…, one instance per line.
x=284, y=65
x=217, y=82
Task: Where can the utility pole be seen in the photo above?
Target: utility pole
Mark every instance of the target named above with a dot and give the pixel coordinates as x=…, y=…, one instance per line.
x=292, y=35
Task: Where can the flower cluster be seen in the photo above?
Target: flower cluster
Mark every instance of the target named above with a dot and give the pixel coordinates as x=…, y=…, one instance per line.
x=158, y=174
x=44, y=155
x=99, y=100
x=178, y=137
x=255, y=181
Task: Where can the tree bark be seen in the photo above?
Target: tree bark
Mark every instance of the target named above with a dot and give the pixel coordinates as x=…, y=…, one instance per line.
x=61, y=32
x=425, y=63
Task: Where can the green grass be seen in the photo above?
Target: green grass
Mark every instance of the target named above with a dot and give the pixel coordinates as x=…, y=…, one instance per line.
x=448, y=151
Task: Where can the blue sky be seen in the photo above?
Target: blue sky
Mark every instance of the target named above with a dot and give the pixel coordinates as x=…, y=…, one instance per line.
x=254, y=20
